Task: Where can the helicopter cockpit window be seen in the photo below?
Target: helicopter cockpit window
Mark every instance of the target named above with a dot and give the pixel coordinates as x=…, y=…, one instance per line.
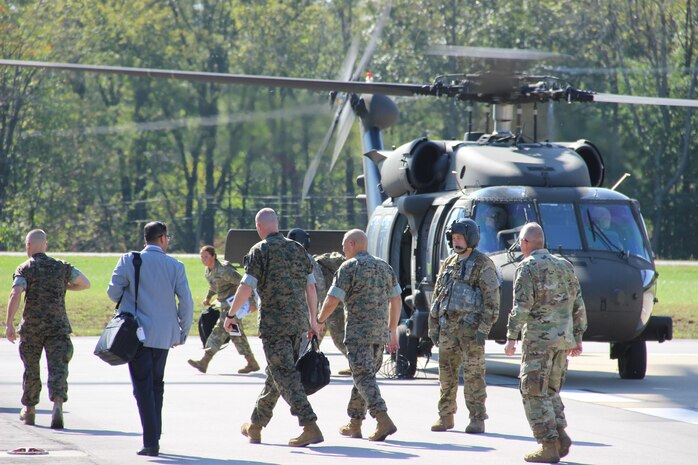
x=613, y=227
x=559, y=223
x=500, y=224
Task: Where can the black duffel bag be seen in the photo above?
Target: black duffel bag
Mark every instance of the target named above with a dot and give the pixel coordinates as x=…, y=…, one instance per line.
x=118, y=343
x=314, y=368
x=119, y=340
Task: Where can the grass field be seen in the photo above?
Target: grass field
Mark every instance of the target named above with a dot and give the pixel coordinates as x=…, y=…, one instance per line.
x=90, y=310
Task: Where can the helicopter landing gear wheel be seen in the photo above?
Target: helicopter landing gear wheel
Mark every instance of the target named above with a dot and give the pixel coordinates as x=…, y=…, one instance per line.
x=406, y=354
x=632, y=359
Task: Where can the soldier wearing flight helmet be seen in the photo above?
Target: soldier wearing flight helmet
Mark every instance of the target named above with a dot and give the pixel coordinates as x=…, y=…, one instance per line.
x=464, y=308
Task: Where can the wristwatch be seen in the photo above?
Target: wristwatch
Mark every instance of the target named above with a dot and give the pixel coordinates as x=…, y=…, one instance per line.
x=317, y=320
x=228, y=315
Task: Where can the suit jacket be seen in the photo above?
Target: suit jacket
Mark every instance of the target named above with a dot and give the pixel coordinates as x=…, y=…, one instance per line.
x=164, y=321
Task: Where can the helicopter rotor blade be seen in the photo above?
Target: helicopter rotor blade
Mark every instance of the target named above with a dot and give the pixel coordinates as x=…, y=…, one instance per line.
x=346, y=122
x=345, y=70
x=372, y=42
x=492, y=53
x=634, y=100
x=223, y=78
x=315, y=163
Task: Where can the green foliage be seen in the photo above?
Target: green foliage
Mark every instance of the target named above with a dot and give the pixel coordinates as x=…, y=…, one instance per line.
x=91, y=158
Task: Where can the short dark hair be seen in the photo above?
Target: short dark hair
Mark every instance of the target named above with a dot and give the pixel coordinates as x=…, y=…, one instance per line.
x=153, y=230
x=208, y=248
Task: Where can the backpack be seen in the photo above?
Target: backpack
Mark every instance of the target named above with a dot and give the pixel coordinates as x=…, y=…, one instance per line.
x=329, y=263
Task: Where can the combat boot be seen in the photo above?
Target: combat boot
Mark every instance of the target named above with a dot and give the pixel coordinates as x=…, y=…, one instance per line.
x=202, y=365
x=251, y=366
x=252, y=431
x=311, y=435
x=345, y=372
x=57, y=415
x=352, y=429
x=546, y=454
x=27, y=415
x=384, y=428
x=476, y=426
x=563, y=442
x=444, y=423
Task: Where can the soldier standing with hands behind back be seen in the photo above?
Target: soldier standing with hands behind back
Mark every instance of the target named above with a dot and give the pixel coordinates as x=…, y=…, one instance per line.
x=280, y=269
x=462, y=313
x=365, y=284
x=548, y=306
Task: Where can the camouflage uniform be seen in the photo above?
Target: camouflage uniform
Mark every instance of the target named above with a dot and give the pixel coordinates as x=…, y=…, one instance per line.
x=280, y=269
x=466, y=301
x=223, y=281
x=45, y=325
x=548, y=306
x=329, y=264
x=365, y=284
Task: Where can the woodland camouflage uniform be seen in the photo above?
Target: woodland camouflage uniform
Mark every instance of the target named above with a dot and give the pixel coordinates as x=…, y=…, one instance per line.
x=466, y=302
x=280, y=269
x=548, y=307
x=365, y=284
x=329, y=263
x=45, y=325
x=223, y=281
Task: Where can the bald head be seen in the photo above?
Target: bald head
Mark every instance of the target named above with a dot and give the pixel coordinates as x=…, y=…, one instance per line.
x=36, y=242
x=533, y=234
x=355, y=241
x=266, y=222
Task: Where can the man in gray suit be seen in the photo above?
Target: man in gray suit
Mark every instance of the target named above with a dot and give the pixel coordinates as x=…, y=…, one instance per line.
x=163, y=322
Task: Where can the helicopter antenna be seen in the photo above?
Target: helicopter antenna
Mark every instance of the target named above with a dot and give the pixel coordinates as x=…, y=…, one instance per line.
x=622, y=178
x=470, y=117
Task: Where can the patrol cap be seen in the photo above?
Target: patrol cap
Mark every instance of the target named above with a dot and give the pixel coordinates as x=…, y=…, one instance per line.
x=300, y=236
x=467, y=228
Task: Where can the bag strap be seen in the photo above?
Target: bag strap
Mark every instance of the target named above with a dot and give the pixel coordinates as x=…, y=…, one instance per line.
x=137, y=261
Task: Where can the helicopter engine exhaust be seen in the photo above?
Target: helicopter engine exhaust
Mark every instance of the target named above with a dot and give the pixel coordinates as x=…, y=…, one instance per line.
x=419, y=166
x=593, y=159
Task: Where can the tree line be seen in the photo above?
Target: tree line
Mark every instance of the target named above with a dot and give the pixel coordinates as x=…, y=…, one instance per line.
x=91, y=158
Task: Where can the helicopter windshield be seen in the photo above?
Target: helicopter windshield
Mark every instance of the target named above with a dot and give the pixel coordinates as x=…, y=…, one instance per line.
x=560, y=225
x=613, y=227
x=500, y=224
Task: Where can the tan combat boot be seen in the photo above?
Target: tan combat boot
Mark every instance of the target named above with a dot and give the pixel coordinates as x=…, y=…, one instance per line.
x=27, y=415
x=384, y=428
x=476, y=426
x=345, y=372
x=57, y=414
x=352, y=429
x=546, y=454
x=444, y=423
x=311, y=435
x=252, y=431
x=563, y=442
x=202, y=365
x=251, y=366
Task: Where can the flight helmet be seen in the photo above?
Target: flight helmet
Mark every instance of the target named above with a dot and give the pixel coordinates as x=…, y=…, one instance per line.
x=300, y=236
x=468, y=228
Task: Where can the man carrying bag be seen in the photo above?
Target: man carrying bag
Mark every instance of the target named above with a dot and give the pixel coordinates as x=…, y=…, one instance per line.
x=164, y=323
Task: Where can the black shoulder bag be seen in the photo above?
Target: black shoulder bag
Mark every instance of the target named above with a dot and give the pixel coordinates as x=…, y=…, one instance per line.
x=119, y=340
x=314, y=368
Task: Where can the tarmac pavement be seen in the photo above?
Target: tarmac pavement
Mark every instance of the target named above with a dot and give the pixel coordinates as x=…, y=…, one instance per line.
x=653, y=421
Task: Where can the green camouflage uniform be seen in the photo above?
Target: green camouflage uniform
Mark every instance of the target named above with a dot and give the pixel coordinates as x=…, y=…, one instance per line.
x=45, y=325
x=280, y=269
x=223, y=281
x=365, y=284
x=466, y=301
x=548, y=306
x=329, y=264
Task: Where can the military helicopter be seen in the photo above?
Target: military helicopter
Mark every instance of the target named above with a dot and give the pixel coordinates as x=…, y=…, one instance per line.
x=415, y=191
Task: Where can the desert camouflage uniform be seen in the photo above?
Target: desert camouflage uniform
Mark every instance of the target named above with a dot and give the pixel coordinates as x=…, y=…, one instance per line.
x=45, y=325
x=365, y=284
x=223, y=281
x=280, y=269
x=329, y=264
x=548, y=306
x=466, y=302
